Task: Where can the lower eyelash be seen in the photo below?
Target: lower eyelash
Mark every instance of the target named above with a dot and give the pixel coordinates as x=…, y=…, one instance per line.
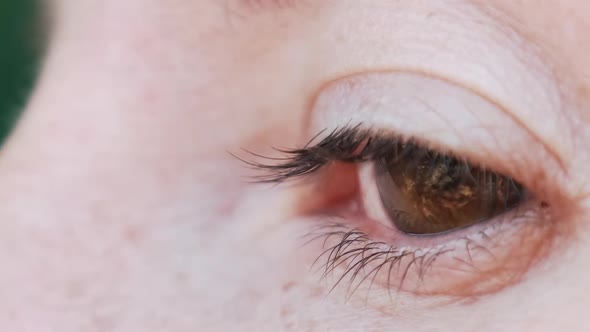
x=363, y=259
x=472, y=264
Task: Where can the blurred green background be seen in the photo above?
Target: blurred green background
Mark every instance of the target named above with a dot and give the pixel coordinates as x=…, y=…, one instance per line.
x=19, y=50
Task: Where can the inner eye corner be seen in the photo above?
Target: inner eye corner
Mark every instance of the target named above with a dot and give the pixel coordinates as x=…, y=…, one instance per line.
x=336, y=186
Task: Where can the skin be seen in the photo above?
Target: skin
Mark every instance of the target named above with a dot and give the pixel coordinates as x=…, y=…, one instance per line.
x=123, y=211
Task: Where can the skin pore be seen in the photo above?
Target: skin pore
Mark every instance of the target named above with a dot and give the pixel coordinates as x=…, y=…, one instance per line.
x=123, y=210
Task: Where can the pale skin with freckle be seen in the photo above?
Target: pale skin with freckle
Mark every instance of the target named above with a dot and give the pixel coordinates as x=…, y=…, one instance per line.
x=123, y=211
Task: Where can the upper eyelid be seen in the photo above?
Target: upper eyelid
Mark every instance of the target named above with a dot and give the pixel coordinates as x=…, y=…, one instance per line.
x=345, y=144
x=563, y=163
x=500, y=64
x=508, y=54
x=384, y=100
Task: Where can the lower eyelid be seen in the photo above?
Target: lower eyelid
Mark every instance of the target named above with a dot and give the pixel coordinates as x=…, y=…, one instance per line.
x=480, y=263
x=360, y=255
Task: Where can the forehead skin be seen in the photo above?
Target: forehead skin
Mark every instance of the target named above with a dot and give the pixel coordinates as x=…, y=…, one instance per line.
x=123, y=211
x=555, y=27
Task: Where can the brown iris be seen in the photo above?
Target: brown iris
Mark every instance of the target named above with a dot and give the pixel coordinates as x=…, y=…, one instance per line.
x=425, y=192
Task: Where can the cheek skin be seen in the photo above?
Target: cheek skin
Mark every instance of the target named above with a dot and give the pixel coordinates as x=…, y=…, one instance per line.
x=118, y=181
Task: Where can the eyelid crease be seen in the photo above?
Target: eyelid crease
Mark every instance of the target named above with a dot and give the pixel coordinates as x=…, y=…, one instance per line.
x=563, y=165
x=561, y=162
x=419, y=105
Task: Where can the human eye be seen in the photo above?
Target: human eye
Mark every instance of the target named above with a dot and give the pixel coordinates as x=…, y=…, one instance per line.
x=413, y=185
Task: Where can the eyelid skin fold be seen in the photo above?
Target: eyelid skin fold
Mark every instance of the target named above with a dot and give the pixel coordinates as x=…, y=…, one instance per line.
x=459, y=42
x=445, y=117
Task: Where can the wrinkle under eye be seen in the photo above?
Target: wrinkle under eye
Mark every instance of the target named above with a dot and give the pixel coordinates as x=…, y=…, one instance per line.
x=425, y=192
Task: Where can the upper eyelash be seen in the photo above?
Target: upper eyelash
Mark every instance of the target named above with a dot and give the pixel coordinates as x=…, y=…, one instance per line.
x=348, y=144
x=342, y=144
